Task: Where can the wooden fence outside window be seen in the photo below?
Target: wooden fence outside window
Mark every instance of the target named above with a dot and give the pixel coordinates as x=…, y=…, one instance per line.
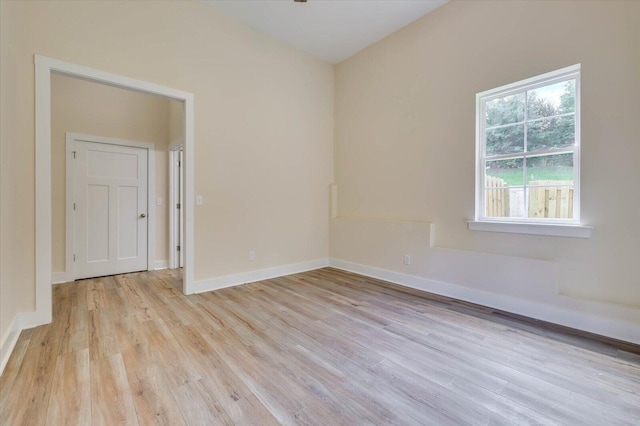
x=546, y=199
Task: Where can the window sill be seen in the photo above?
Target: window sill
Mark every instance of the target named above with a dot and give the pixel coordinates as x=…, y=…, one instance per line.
x=554, y=230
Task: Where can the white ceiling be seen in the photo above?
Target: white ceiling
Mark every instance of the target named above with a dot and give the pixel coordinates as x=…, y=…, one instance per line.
x=331, y=30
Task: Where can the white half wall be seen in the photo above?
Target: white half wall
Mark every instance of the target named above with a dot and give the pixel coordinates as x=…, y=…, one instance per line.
x=523, y=286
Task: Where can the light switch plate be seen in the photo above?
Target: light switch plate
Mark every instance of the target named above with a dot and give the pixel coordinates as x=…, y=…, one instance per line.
x=199, y=200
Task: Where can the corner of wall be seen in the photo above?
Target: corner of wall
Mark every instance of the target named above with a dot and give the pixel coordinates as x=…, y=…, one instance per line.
x=9, y=341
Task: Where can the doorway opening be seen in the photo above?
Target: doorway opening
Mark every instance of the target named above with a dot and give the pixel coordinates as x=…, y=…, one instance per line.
x=44, y=68
x=114, y=227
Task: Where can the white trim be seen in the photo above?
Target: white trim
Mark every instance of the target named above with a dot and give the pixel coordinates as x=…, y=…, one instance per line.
x=60, y=278
x=9, y=342
x=615, y=329
x=44, y=295
x=69, y=194
x=71, y=136
x=554, y=230
x=564, y=74
x=172, y=204
x=21, y=321
x=29, y=319
x=160, y=264
x=531, y=83
x=259, y=275
x=174, y=148
x=71, y=139
x=43, y=68
x=188, y=285
x=577, y=157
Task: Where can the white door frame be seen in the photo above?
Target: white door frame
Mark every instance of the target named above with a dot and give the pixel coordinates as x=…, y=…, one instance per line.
x=174, y=148
x=70, y=273
x=43, y=68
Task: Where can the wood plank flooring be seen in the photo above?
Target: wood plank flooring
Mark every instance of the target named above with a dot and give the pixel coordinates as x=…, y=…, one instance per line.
x=324, y=347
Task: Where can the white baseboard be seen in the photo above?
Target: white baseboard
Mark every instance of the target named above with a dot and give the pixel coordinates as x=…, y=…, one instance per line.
x=608, y=327
x=161, y=264
x=21, y=321
x=259, y=275
x=59, y=278
x=9, y=343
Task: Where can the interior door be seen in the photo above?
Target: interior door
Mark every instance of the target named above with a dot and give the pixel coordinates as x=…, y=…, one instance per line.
x=110, y=196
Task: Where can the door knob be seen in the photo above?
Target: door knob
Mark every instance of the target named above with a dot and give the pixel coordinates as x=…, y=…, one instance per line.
x=143, y=215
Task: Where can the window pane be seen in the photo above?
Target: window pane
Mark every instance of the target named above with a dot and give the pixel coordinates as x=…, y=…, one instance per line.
x=505, y=140
x=504, y=173
x=550, y=202
x=507, y=110
x=555, y=132
x=558, y=98
x=550, y=170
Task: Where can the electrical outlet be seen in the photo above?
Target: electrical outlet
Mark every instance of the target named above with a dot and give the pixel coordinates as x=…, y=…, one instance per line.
x=158, y=201
x=252, y=255
x=407, y=259
x=199, y=200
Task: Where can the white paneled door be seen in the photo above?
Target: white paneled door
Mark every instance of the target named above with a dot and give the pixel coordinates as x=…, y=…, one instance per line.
x=110, y=196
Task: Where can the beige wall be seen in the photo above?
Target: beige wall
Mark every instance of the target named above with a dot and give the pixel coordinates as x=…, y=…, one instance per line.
x=263, y=126
x=176, y=122
x=405, y=134
x=10, y=244
x=80, y=106
x=404, y=116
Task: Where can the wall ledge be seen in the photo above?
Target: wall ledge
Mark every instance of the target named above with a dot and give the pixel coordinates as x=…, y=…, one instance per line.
x=554, y=230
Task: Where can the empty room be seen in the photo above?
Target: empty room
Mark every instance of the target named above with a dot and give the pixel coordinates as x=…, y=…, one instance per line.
x=330, y=212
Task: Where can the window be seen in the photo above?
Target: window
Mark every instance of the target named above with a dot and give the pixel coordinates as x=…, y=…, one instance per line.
x=528, y=151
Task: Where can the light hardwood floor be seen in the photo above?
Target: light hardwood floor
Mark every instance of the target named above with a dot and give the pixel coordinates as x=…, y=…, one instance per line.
x=324, y=347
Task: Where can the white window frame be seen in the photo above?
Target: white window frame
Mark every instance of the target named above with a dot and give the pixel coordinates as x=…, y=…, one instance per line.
x=556, y=227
